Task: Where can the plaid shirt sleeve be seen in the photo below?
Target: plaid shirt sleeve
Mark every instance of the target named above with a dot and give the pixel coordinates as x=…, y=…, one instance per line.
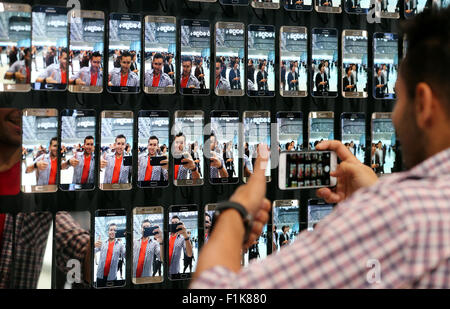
x=401, y=227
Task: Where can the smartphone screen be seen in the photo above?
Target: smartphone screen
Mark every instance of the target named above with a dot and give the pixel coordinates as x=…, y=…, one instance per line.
x=258, y=250
x=40, y=150
x=230, y=59
x=223, y=144
x=290, y=131
x=116, y=146
x=160, y=50
x=78, y=128
x=261, y=61
x=328, y=6
x=187, y=148
x=49, y=48
x=353, y=129
x=195, y=57
x=87, y=32
x=234, y=2
x=298, y=5
x=286, y=223
x=385, y=61
x=256, y=131
x=305, y=170
x=153, y=146
x=324, y=68
x=148, y=245
x=210, y=210
x=320, y=128
x=294, y=61
x=184, y=236
x=357, y=6
x=384, y=144
x=110, y=256
x=124, y=53
x=445, y=3
x=354, y=64
x=389, y=9
x=317, y=210
x=15, y=47
x=265, y=4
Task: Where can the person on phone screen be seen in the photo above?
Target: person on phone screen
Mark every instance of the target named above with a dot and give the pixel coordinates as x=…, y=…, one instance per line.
x=179, y=243
x=200, y=73
x=187, y=169
x=55, y=73
x=83, y=162
x=261, y=77
x=284, y=236
x=169, y=69
x=321, y=79
x=379, y=84
x=91, y=75
x=124, y=76
x=156, y=77
x=188, y=80
x=409, y=211
x=187, y=260
x=348, y=80
x=217, y=165
x=146, y=171
x=235, y=75
x=20, y=70
x=293, y=78
x=208, y=222
x=46, y=165
x=111, y=251
x=144, y=251
x=221, y=82
x=114, y=163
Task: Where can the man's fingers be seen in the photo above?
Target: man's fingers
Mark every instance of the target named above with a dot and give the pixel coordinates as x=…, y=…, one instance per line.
x=342, y=152
x=258, y=180
x=328, y=195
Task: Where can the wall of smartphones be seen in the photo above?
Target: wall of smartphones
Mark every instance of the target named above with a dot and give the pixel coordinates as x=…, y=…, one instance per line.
x=49, y=48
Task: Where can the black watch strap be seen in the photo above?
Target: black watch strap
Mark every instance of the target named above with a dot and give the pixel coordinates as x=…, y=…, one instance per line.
x=247, y=218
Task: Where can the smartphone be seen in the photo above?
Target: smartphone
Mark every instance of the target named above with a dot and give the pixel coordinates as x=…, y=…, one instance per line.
x=383, y=154
x=124, y=53
x=195, y=57
x=354, y=64
x=261, y=61
x=298, y=5
x=160, y=50
x=258, y=250
x=353, y=133
x=40, y=149
x=153, y=146
x=116, y=150
x=290, y=131
x=306, y=169
x=285, y=223
x=266, y=4
x=317, y=210
x=328, y=6
x=294, y=61
x=444, y=4
x=234, y=2
x=210, y=213
x=110, y=248
x=324, y=67
x=357, y=6
x=15, y=51
x=223, y=144
x=320, y=128
x=148, y=224
x=86, y=44
x=184, y=255
x=78, y=167
x=387, y=9
x=49, y=53
x=188, y=147
x=256, y=131
x=385, y=65
x=229, y=63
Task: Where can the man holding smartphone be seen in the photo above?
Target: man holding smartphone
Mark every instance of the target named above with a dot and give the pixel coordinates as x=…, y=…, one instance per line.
x=187, y=79
x=55, y=73
x=148, y=172
x=179, y=243
x=398, y=222
x=20, y=70
x=46, y=166
x=187, y=166
x=83, y=164
x=114, y=164
x=110, y=252
x=91, y=75
x=217, y=165
x=156, y=77
x=144, y=249
x=221, y=82
x=124, y=77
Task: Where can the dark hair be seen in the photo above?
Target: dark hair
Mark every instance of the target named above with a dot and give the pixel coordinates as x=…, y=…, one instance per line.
x=162, y=147
x=175, y=217
x=186, y=59
x=109, y=225
x=120, y=136
x=320, y=66
x=158, y=56
x=95, y=54
x=347, y=69
x=219, y=60
x=180, y=134
x=145, y=221
x=153, y=137
x=428, y=44
x=88, y=137
x=125, y=53
x=63, y=50
x=53, y=139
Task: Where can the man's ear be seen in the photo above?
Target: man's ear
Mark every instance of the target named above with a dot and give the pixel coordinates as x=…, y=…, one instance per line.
x=424, y=104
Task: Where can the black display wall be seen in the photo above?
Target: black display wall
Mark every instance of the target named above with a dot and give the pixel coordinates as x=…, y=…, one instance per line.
x=201, y=195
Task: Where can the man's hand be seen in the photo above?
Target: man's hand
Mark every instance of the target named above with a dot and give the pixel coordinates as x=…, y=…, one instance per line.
x=51, y=79
x=181, y=230
x=74, y=160
x=103, y=161
x=253, y=195
x=215, y=162
x=351, y=174
x=165, y=164
x=41, y=164
x=79, y=81
x=98, y=243
x=158, y=235
x=190, y=164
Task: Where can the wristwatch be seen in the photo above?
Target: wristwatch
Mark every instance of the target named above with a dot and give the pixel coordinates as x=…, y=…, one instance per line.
x=247, y=219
